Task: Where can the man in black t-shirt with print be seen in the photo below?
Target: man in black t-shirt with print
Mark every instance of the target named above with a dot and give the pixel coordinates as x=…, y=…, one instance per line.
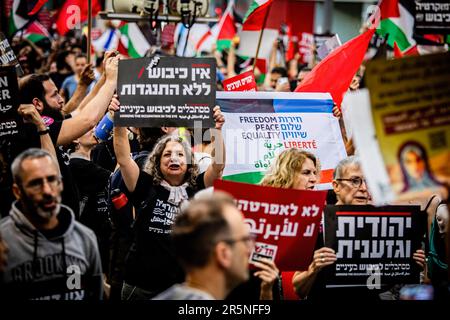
x=40, y=91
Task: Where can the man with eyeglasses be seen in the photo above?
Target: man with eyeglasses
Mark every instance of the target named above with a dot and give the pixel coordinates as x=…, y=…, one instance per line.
x=349, y=184
x=213, y=244
x=351, y=189
x=51, y=256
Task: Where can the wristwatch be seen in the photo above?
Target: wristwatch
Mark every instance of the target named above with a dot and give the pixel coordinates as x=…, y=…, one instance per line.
x=47, y=130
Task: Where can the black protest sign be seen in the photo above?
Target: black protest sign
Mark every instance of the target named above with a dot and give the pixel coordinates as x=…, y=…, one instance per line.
x=374, y=245
x=10, y=120
x=432, y=17
x=7, y=56
x=166, y=91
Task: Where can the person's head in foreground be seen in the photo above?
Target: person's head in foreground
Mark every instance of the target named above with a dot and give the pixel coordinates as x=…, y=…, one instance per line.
x=37, y=186
x=213, y=244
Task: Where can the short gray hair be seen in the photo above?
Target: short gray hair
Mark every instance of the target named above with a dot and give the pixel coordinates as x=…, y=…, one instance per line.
x=32, y=153
x=349, y=161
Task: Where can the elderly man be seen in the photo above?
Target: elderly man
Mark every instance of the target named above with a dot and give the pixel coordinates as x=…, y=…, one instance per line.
x=51, y=256
x=349, y=184
x=351, y=189
x=213, y=244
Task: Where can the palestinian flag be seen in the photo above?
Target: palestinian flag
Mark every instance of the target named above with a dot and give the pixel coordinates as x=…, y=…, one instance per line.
x=227, y=28
x=132, y=41
x=251, y=29
x=35, y=32
x=18, y=16
x=397, y=21
x=397, y=52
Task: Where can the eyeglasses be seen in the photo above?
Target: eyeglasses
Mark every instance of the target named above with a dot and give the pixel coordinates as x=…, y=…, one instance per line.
x=249, y=240
x=355, y=181
x=37, y=185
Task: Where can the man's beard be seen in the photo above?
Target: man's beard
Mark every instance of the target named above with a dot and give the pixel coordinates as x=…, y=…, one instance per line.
x=53, y=113
x=33, y=208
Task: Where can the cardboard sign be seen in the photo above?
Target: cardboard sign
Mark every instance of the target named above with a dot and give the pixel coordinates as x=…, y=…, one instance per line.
x=242, y=82
x=374, y=245
x=285, y=221
x=7, y=56
x=10, y=120
x=166, y=91
x=432, y=17
x=410, y=99
x=260, y=125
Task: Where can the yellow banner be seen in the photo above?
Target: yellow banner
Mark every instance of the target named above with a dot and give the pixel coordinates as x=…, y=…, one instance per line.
x=410, y=100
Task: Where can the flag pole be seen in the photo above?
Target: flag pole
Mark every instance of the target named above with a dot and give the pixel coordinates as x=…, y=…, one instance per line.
x=89, y=31
x=260, y=37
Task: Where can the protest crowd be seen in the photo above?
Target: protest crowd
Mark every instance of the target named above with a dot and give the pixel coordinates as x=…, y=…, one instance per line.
x=110, y=190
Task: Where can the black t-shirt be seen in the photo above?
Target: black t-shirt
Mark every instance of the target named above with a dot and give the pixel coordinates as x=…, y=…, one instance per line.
x=92, y=182
x=152, y=264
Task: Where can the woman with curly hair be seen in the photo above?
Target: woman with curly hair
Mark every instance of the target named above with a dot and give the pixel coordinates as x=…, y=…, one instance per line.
x=168, y=178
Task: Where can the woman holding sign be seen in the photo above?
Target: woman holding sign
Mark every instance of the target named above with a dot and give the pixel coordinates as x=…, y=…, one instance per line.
x=168, y=179
x=300, y=170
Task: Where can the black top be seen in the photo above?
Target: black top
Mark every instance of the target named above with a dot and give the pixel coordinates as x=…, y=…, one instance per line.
x=151, y=263
x=92, y=182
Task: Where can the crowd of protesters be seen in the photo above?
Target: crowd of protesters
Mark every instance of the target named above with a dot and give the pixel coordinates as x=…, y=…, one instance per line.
x=73, y=205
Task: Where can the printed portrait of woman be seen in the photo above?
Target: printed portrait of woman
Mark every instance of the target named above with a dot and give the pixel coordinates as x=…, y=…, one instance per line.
x=415, y=168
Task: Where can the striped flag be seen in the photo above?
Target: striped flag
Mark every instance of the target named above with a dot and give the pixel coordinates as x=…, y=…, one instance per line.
x=227, y=28
x=18, y=16
x=109, y=40
x=36, y=32
x=397, y=52
x=133, y=41
x=127, y=39
x=397, y=21
x=251, y=29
